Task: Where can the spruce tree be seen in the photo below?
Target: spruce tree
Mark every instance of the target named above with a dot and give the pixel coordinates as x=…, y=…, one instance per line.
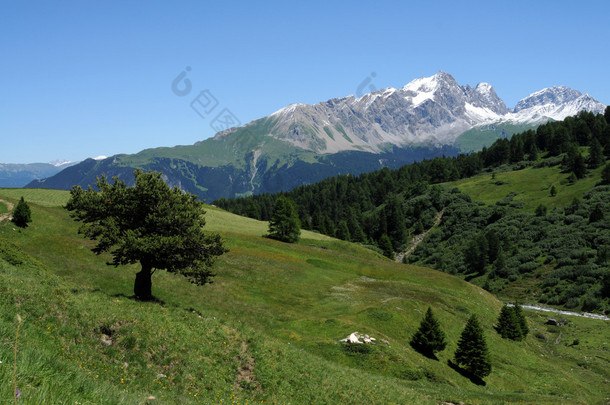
x=578, y=166
x=499, y=264
x=472, y=353
x=22, y=214
x=284, y=224
x=522, y=321
x=596, y=154
x=429, y=338
x=343, y=231
x=541, y=210
x=386, y=246
x=597, y=214
x=509, y=325
x=606, y=174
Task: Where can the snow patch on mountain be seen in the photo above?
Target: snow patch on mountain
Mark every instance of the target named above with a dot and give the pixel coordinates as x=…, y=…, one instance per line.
x=422, y=89
x=432, y=110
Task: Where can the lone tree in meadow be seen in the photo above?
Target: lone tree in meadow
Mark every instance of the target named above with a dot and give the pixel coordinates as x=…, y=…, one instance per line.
x=150, y=223
x=429, y=338
x=472, y=353
x=284, y=224
x=509, y=325
x=22, y=215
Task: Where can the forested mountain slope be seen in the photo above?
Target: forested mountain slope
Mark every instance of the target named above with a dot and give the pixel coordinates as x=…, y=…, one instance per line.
x=564, y=158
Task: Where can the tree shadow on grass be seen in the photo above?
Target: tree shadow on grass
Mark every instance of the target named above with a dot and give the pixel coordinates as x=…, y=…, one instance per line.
x=154, y=300
x=473, y=378
x=424, y=352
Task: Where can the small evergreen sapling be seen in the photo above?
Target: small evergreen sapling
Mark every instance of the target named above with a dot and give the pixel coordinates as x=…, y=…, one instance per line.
x=22, y=214
x=509, y=325
x=429, y=338
x=472, y=353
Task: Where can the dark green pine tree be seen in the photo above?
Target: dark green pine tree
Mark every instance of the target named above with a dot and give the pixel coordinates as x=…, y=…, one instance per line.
x=541, y=210
x=22, y=214
x=284, y=224
x=476, y=254
x=597, y=214
x=596, y=154
x=522, y=321
x=472, y=353
x=343, y=231
x=509, y=326
x=419, y=228
x=605, y=291
x=578, y=166
x=386, y=246
x=493, y=244
x=499, y=265
x=606, y=174
x=533, y=154
x=429, y=338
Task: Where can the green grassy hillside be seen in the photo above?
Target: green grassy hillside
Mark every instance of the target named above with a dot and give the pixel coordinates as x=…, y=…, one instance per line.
x=265, y=331
x=476, y=138
x=531, y=185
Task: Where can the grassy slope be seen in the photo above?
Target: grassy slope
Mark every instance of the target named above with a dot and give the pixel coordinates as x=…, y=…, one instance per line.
x=277, y=308
x=474, y=139
x=532, y=186
x=228, y=149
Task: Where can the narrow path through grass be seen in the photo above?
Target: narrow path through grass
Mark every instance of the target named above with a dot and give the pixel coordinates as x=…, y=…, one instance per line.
x=9, y=208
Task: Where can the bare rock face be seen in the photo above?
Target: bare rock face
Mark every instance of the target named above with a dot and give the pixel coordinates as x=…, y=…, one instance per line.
x=431, y=110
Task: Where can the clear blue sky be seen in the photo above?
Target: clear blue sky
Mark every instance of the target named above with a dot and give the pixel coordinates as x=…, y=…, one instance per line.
x=86, y=78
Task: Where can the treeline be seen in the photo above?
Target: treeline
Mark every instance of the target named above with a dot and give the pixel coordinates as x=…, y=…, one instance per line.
x=389, y=205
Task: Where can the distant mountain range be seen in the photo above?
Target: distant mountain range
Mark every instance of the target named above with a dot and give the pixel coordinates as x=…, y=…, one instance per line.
x=18, y=175
x=301, y=143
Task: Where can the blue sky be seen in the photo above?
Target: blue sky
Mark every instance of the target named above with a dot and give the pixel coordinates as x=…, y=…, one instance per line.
x=84, y=78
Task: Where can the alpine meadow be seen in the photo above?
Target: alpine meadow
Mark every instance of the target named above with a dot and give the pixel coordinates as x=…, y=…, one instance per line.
x=326, y=203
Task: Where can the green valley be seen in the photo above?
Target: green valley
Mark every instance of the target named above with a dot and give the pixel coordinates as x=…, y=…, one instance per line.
x=266, y=330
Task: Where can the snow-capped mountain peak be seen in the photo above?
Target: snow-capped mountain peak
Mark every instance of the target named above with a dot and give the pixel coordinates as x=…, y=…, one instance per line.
x=554, y=103
x=428, y=110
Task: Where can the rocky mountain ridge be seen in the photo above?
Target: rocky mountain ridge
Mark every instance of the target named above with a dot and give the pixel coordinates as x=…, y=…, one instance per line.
x=431, y=110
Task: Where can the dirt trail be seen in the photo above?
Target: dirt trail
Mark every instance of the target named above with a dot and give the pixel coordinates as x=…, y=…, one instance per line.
x=10, y=210
x=417, y=239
